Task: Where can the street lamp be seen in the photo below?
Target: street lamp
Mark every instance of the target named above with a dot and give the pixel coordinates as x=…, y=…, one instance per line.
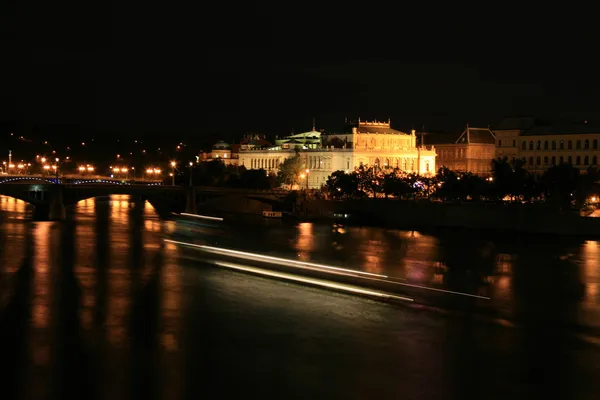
x=173, y=164
x=307, y=172
x=191, y=166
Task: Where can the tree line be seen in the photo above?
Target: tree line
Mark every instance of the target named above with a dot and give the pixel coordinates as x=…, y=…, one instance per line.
x=562, y=185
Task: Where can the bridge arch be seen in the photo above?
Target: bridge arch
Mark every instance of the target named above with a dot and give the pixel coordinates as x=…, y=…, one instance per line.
x=32, y=179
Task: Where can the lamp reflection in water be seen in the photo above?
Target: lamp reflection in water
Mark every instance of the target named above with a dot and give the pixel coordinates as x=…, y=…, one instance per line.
x=119, y=275
x=85, y=250
x=41, y=330
x=591, y=272
x=305, y=243
x=11, y=256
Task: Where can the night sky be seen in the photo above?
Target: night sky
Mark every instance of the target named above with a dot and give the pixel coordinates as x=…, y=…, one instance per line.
x=202, y=72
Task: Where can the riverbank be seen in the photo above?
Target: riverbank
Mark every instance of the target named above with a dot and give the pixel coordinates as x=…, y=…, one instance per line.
x=418, y=215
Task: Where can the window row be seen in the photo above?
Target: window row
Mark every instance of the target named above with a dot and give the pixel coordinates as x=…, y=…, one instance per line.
x=561, y=160
x=264, y=163
x=561, y=145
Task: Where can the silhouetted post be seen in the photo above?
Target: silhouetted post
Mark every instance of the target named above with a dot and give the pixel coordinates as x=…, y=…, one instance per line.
x=190, y=203
x=57, y=207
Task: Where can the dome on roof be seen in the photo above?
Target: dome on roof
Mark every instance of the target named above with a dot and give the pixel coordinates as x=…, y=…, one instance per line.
x=221, y=145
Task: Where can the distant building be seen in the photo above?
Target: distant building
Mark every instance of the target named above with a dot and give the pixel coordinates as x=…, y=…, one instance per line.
x=222, y=151
x=507, y=134
x=365, y=143
x=471, y=151
x=543, y=145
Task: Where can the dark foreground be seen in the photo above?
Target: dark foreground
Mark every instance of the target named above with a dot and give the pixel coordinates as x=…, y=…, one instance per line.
x=101, y=308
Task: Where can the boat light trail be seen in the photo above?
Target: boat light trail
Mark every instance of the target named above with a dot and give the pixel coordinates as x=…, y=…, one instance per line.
x=202, y=216
x=271, y=259
x=310, y=281
x=318, y=267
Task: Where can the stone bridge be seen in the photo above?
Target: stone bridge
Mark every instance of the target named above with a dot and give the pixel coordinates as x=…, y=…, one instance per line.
x=50, y=200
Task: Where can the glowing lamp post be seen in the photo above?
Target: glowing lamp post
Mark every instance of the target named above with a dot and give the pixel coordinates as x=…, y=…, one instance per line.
x=307, y=172
x=56, y=168
x=173, y=164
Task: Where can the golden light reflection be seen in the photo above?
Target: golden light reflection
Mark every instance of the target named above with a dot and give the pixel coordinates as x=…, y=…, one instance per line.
x=44, y=237
x=372, y=263
x=85, y=253
x=16, y=208
x=502, y=280
x=119, y=275
x=305, y=243
x=152, y=222
x=15, y=228
x=171, y=311
x=171, y=306
x=591, y=273
x=420, y=258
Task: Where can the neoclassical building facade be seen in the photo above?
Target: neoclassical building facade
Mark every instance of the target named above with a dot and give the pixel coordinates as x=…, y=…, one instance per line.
x=366, y=143
x=541, y=146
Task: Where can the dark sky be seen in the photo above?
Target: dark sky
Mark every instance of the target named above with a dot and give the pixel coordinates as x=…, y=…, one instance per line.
x=175, y=69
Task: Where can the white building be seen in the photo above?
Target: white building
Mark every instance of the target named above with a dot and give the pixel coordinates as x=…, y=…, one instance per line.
x=368, y=143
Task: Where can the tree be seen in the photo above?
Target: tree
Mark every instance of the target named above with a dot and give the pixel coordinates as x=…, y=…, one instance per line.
x=256, y=179
x=395, y=185
x=511, y=179
x=340, y=184
x=560, y=183
x=290, y=170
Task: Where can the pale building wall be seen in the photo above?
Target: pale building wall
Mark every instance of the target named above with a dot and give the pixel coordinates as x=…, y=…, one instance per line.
x=467, y=157
x=268, y=160
x=321, y=163
x=543, y=151
x=507, y=144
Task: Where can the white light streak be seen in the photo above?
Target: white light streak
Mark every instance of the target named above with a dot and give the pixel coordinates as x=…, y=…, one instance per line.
x=272, y=260
x=202, y=216
x=310, y=281
x=318, y=267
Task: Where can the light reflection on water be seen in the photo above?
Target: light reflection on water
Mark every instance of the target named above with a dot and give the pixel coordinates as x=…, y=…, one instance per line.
x=147, y=324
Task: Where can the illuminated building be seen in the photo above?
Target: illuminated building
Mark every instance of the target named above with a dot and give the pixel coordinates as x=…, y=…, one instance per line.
x=365, y=143
x=222, y=151
x=471, y=151
x=541, y=146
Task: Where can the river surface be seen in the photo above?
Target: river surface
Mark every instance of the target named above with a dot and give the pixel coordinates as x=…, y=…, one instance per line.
x=100, y=307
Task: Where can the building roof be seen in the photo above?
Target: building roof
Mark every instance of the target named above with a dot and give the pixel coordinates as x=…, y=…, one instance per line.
x=293, y=141
x=221, y=145
x=514, y=124
x=306, y=135
x=258, y=142
x=563, y=129
x=383, y=128
x=477, y=136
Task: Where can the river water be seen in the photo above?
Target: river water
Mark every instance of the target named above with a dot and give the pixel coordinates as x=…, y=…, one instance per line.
x=100, y=307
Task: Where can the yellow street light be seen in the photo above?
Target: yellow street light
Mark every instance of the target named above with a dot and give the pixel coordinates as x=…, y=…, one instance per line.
x=82, y=168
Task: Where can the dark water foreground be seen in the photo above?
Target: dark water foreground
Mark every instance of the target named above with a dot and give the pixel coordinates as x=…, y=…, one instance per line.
x=100, y=307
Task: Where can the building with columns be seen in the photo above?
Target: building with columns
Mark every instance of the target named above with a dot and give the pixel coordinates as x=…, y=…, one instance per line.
x=368, y=143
